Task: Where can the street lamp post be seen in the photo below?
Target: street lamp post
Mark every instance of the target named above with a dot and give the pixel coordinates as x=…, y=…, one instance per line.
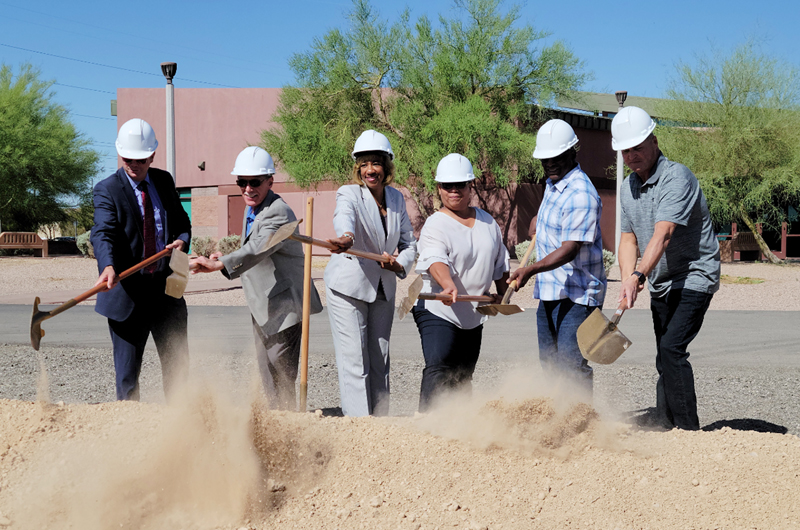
x=169, y=70
x=621, y=95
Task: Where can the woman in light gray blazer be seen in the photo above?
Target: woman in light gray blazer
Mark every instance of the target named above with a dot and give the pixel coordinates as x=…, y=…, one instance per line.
x=369, y=216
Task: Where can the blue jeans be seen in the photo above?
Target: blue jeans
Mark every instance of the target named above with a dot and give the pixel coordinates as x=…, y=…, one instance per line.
x=677, y=318
x=450, y=352
x=557, y=324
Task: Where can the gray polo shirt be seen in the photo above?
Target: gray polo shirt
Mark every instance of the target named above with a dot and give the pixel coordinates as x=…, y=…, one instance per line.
x=673, y=194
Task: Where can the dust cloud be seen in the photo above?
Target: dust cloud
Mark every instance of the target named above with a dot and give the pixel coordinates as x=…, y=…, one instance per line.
x=531, y=454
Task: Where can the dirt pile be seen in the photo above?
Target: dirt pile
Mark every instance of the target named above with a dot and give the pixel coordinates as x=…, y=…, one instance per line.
x=531, y=462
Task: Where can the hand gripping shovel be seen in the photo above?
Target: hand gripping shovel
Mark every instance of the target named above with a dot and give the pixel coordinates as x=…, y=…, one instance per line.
x=599, y=339
x=504, y=308
x=414, y=294
x=40, y=316
x=287, y=231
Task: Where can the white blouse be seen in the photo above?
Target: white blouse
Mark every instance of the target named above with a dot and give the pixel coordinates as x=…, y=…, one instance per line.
x=476, y=257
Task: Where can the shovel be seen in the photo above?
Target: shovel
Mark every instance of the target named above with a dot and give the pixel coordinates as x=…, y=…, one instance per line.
x=287, y=231
x=504, y=308
x=40, y=316
x=599, y=339
x=414, y=294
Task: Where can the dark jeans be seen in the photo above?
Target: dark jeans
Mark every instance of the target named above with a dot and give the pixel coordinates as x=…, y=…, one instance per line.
x=677, y=318
x=450, y=352
x=557, y=327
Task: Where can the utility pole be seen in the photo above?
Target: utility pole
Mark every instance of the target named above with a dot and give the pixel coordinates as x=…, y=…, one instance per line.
x=621, y=95
x=169, y=70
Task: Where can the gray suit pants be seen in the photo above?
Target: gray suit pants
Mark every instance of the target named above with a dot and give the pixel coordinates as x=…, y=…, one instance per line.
x=278, y=356
x=361, y=333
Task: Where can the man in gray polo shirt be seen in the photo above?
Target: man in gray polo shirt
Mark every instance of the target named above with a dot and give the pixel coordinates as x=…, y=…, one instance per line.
x=665, y=220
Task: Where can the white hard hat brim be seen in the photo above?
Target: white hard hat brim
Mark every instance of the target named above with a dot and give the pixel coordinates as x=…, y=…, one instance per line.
x=544, y=154
x=250, y=173
x=134, y=153
x=356, y=154
x=621, y=146
x=454, y=178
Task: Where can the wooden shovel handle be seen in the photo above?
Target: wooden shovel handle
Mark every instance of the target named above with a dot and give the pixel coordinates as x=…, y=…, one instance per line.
x=96, y=289
x=513, y=285
x=330, y=246
x=136, y=268
x=459, y=298
x=618, y=313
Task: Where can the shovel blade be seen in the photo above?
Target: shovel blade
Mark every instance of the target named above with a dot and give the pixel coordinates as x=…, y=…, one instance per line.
x=408, y=302
x=503, y=309
x=599, y=340
x=36, y=324
x=177, y=281
x=281, y=235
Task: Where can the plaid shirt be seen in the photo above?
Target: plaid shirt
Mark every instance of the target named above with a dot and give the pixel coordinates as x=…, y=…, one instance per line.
x=570, y=211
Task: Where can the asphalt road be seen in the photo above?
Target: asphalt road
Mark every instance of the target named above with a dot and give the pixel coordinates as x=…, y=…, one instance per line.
x=728, y=338
x=747, y=367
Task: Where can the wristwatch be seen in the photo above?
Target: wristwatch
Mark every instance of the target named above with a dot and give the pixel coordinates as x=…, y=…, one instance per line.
x=641, y=277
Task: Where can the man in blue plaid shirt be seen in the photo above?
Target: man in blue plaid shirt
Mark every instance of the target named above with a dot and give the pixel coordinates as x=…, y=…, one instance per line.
x=570, y=278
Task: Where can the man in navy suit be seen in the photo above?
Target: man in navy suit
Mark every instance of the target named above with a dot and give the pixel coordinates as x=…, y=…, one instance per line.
x=137, y=212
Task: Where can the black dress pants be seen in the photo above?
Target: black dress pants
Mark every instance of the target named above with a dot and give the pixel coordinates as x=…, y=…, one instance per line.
x=450, y=352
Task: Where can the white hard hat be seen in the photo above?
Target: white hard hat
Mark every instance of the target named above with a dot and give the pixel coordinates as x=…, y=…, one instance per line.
x=253, y=161
x=553, y=138
x=630, y=127
x=371, y=141
x=136, y=140
x=454, y=168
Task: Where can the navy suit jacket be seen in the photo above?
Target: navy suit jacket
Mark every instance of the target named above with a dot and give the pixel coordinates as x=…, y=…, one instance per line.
x=118, y=240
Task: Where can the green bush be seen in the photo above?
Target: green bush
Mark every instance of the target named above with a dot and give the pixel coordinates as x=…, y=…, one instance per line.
x=609, y=259
x=521, y=249
x=85, y=245
x=228, y=244
x=203, y=245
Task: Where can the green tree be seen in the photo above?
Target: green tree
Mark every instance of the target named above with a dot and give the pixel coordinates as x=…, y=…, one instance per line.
x=44, y=161
x=471, y=84
x=738, y=130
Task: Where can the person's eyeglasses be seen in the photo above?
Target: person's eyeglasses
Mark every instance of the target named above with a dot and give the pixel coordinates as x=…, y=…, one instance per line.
x=453, y=185
x=253, y=183
x=132, y=160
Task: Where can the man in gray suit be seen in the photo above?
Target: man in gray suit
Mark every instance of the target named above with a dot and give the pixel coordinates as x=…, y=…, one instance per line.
x=272, y=280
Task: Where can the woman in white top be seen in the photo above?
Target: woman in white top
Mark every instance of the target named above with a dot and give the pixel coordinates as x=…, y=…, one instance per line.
x=461, y=251
x=370, y=215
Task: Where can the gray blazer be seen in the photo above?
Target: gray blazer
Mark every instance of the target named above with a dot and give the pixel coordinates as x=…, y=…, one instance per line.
x=273, y=280
x=357, y=212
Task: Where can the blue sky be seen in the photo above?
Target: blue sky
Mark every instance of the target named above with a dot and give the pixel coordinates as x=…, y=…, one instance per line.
x=627, y=45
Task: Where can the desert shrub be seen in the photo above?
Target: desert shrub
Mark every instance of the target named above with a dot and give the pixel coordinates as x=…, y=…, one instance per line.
x=203, y=245
x=609, y=259
x=85, y=245
x=521, y=249
x=228, y=244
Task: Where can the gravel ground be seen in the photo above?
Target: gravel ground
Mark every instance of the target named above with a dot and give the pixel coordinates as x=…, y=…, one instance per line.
x=760, y=398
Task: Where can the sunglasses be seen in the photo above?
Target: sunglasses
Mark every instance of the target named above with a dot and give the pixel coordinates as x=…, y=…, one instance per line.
x=453, y=185
x=253, y=183
x=132, y=160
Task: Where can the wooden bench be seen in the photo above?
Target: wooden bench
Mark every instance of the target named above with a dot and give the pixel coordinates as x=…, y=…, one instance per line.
x=745, y=241
x=24, y=241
